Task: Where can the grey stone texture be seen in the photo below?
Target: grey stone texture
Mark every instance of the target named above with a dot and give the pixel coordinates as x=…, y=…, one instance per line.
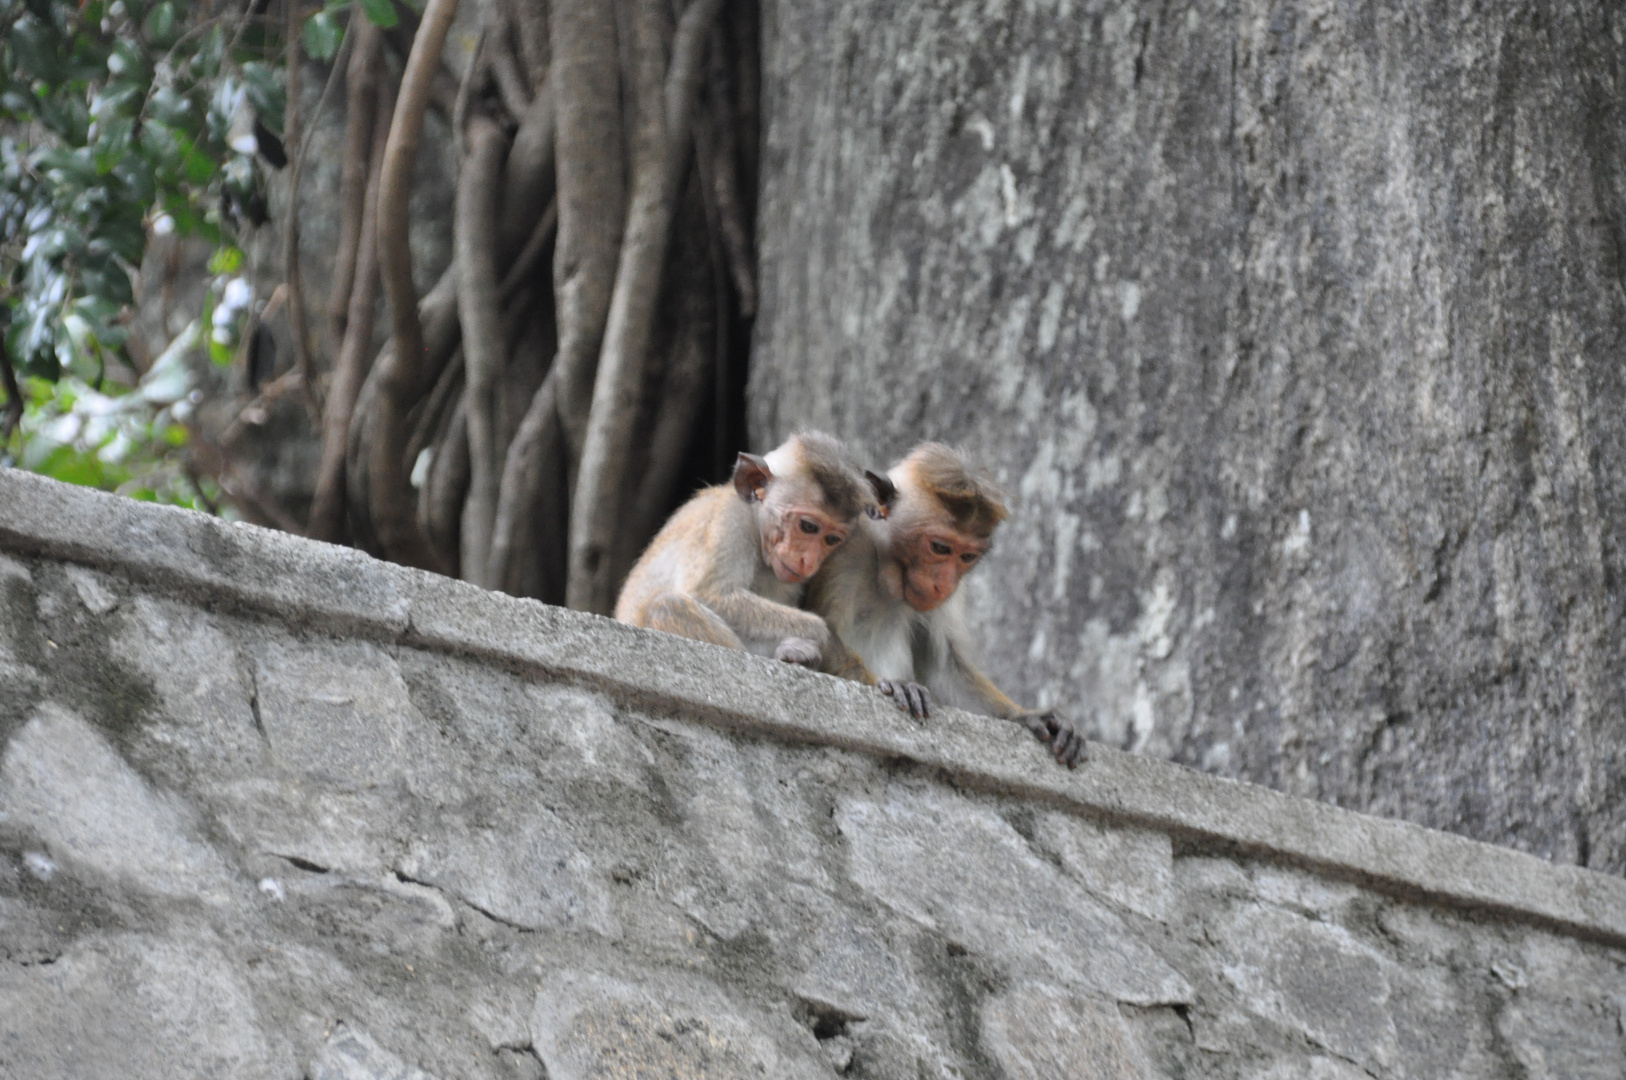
x=1294, y=329
x=270, y=808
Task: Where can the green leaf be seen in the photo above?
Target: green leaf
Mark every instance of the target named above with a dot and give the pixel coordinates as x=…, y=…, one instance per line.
x=380, y=13
x=118, y=96
x=107, y=280
x=226, y=260
x=72, y=467
x=113, y=143
x=198, y=167
x=187, y=221
x=30, y=342
x=170, y=107
x=37, y=50
x=162, y=25
x=322, y=35
x=265, y=92
x=211, y=50
x=165, y=143
x=126, y=61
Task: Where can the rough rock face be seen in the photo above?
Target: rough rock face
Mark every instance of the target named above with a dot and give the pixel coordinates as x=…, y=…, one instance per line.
x=1294, y=328
x=269, y=808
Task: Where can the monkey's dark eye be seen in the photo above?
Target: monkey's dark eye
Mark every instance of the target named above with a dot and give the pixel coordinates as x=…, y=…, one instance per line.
x=969, y=557
x=939, y=548
x=809, y=527
x=833, y=539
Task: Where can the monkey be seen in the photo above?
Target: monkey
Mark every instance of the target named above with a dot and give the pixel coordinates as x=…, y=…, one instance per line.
x=889, y=595
x=730, y=566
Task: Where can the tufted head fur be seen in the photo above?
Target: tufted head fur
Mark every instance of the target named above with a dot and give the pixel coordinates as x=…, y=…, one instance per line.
x=970, y=496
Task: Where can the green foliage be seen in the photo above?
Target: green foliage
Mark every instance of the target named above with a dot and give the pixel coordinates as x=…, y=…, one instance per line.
x=380, y=12
x=124, y=442
x=322, y=35
x=121, y=120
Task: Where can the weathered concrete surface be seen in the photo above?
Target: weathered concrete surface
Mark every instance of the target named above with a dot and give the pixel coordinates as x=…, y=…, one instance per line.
x=270, y=808
x=1295, y=328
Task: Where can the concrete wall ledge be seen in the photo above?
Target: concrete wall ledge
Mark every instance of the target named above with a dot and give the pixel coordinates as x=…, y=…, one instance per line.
x=342, y=592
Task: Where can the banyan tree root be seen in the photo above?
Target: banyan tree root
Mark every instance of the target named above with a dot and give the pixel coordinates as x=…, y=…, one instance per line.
x=576, y=370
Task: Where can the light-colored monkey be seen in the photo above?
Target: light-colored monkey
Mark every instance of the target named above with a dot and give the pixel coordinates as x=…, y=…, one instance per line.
x=890, y=594
x=730, y=565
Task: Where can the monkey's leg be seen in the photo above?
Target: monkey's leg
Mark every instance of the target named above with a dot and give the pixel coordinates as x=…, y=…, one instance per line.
x=843, y=662
x=679, y=614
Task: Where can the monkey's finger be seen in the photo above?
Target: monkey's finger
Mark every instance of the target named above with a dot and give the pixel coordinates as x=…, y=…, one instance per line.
x=1065, y=739
x=923, y=701
x=896, y=692
x=1068, y=746
x=912, y=694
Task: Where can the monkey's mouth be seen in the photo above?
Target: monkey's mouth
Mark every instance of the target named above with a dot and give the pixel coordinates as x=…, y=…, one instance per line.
x=787, y=575
x=921, y=600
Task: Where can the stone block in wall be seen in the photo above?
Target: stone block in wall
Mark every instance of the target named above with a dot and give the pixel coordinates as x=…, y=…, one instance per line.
x=964, y=871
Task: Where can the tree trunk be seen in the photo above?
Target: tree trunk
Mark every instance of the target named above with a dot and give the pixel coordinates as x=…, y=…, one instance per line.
x=665, y=101
x=592, y=197
x=1295, y=331
x=401, y=370
x=484, y=350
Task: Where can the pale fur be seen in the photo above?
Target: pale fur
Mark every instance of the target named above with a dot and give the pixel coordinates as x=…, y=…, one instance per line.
x=890, y=639
x=711, y=549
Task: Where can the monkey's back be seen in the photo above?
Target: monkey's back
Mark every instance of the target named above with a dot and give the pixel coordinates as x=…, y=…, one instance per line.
x=680, y=557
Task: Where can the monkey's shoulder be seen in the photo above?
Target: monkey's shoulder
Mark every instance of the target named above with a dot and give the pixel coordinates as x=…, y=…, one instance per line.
x=699, y=522
x=847, y=580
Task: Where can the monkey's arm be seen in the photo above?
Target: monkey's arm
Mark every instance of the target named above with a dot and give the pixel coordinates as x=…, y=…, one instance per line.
x=911, y=697
x=844, y=663
x=803, y=637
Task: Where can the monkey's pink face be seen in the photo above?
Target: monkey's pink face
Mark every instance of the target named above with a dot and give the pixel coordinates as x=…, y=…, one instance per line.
x=798, y=541
x=931, y=563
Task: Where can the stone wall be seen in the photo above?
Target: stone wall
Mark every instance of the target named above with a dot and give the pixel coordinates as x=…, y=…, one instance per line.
x=1294, y=328
x=270, y=808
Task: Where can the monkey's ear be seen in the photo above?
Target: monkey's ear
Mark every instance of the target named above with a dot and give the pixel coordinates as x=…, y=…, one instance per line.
x=885, y=492
x=751, y=476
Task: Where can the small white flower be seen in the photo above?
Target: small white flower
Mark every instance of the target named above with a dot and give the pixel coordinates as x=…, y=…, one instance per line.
x=239, y=293
x=222, y=334
x=163, y=226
